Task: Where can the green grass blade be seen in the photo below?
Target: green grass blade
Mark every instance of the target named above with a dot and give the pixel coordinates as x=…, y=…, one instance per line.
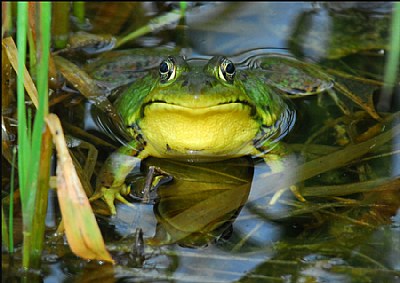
x=41, y=141
x=23, y=145
x=24, y=154
x=155, y=24
x=42, y=86
x=30, y=141
x=183, y=6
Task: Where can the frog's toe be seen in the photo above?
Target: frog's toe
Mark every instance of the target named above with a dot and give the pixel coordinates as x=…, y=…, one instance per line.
x=109, y=195
x=109, y=200
x=296, y=193
x=293, y=188
x=122, y=199
x=96, y=195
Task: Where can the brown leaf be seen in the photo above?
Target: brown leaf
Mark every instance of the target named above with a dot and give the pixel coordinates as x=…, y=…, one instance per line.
x=83, y=234
x=11, y=51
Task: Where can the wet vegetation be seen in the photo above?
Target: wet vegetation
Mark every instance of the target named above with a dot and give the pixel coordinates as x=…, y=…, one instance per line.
x=228, y=221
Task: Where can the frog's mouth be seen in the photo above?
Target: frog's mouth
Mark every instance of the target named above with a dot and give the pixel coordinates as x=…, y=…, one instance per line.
x=218, y=129
x=198, y=106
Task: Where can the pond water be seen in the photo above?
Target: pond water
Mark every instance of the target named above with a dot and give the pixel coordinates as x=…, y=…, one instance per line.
x=235, y=220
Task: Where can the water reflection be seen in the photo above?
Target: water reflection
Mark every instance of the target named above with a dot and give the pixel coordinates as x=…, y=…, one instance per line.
x=335, y=30
x=230, y=28
x=201, y=203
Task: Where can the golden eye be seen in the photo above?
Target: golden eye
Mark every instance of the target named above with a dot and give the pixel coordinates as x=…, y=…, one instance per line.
x=167, y=69
x=227, y=70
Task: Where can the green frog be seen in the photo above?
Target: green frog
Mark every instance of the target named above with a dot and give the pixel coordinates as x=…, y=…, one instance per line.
x=202, y=111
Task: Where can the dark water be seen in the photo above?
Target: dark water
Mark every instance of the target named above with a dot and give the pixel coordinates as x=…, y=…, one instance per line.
x=216, y=222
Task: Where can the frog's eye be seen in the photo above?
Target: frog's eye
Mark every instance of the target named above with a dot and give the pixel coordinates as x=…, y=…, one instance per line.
x=227, y=70
x=167, y=69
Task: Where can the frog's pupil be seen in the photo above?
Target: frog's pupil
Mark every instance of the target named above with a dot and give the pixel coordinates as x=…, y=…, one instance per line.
x=163, y=67
x=230, y=68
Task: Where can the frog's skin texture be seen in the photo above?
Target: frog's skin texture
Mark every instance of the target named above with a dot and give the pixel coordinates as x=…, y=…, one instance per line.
x=196, y=111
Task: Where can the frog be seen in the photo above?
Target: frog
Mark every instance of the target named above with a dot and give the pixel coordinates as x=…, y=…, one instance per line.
x=199, y=110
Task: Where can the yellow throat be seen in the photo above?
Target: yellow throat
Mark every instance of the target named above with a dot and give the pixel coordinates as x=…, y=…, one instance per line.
x=221, y=131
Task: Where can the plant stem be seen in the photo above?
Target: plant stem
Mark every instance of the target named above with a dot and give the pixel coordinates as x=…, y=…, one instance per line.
x=392, y=61
x=4, y=230
x=79, y=11
x=7, y=25
x=11, y=207
x=30, y=156
x=61, y=12
x=39, y=177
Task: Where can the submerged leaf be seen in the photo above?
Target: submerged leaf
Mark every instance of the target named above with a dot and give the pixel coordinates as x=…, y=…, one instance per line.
x=83, y=234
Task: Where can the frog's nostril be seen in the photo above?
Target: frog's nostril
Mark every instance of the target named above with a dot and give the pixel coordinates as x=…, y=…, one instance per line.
x=208, y=83
x=185, y=83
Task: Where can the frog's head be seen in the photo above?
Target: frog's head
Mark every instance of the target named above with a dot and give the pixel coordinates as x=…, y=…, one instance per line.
x=195, y=85
x=203, y=110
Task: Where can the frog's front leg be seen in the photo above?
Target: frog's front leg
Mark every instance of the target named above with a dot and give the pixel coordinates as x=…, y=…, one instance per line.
x=110, y=183
x=278, y=159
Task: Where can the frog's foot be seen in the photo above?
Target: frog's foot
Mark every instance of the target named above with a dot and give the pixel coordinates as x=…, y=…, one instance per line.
x=277, y=164
x=109, y=195
x=278, y=194
x=296, y=192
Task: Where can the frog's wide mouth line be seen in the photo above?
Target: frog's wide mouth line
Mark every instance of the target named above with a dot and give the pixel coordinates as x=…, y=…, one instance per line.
x=234, y=105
